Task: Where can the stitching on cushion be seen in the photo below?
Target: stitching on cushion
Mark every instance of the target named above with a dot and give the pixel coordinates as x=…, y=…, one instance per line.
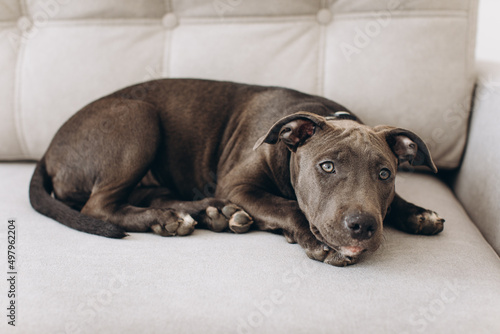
x=18, y=117
x=328, y=4
x=24, y=8
x=190, y=20
x=403, y=14
x=105, y=22
x=471, y=38
x=248, y=19
x=321, y=62
x=167, y=47
x=469, y=71
x=167, y=44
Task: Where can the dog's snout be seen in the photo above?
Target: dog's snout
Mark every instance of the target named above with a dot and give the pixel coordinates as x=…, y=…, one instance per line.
x=362, y=226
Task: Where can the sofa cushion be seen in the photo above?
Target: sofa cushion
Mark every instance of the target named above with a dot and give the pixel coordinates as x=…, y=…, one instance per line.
x=72, y=282
x=403, y=63
x=478, y=182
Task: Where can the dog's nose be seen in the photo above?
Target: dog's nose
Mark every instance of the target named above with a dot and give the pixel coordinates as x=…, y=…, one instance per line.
x=362, y=226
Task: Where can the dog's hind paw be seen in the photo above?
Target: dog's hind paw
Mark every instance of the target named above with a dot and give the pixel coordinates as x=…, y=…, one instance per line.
x=174, y=224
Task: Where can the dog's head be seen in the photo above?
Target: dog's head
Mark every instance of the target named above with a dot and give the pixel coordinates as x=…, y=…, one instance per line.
x=343, y=174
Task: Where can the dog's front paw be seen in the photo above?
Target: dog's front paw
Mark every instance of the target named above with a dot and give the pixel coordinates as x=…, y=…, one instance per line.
x=336, y=258
x=229, y=215
x=169, y=223
x=215, y=220
x=425, y=222
x=320, y=252
x=331, y=256
x=239, y=220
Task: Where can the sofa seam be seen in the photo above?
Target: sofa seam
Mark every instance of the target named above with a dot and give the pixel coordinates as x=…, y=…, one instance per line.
x=321, y=53
x=320, y=84
x=167, y=48
x=313, y=18
x=471, y=37
x=25, y=8
x=168, y=6
x=20, y=133
x=470, y=73
x=7, y=24
x=405, y=14
x=248, y=19
x=104, y=22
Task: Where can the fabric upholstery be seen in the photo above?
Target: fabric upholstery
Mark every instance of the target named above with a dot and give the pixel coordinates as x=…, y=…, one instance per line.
x=398, y=62
x=72, y=282
x=478, y=182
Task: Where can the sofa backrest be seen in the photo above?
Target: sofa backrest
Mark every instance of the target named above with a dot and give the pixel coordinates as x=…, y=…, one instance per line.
x=398, y=62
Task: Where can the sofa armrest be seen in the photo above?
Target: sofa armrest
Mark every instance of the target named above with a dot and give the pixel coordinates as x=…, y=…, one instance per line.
x=477, y=184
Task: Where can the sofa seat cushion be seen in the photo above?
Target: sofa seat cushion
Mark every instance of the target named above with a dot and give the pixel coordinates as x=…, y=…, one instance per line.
x=72, y=282
x=395, y=62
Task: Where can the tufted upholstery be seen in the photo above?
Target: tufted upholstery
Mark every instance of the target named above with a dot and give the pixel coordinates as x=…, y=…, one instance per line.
x=401, y=62
x=398, y=62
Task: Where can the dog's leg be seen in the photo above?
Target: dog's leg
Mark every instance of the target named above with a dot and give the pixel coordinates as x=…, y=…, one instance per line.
x=215, y=214
x=106, y=150
x=103, y=204
x=413, y=219
x=274, y=213
x=109, y=201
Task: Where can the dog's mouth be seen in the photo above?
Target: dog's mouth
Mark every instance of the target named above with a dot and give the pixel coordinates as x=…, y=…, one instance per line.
x=346, y=250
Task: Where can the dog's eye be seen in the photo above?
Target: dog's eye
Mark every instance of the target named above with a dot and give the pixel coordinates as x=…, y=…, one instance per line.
x=328, y=167
x=384, y=174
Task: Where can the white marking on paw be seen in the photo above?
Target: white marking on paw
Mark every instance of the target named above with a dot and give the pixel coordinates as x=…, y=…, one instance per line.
x=434, y=217
x=188, y=220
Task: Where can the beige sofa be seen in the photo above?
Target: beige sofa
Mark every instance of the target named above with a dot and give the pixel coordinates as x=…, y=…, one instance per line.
x=397, y=62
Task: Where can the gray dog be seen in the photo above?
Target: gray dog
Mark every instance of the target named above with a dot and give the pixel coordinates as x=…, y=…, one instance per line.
x=284, y=161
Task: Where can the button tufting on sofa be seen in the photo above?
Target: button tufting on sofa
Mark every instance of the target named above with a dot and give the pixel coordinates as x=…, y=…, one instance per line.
x=324, y=16
x=24, y=24
x=170, y=21
x=407, y=63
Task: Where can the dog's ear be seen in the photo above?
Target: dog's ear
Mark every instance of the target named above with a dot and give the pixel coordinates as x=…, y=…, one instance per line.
x=293, y=130
x=407, y=146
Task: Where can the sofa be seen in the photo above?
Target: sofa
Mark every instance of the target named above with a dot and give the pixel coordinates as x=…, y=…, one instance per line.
x=397, y=62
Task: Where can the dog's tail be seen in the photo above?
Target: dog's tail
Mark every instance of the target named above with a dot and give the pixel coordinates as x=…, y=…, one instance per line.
x=43, y=202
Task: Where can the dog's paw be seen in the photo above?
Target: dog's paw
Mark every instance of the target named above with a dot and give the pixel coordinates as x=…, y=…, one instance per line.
x=170, y=223
x=337, y=259
x=330, y=256
x=426, y=222
x=239, y=220
x=289, y=237
x=320, y=252
x=230, y=215
x=215, y=220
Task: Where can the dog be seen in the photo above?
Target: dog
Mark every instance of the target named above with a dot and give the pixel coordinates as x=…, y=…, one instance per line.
x=277, y=160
